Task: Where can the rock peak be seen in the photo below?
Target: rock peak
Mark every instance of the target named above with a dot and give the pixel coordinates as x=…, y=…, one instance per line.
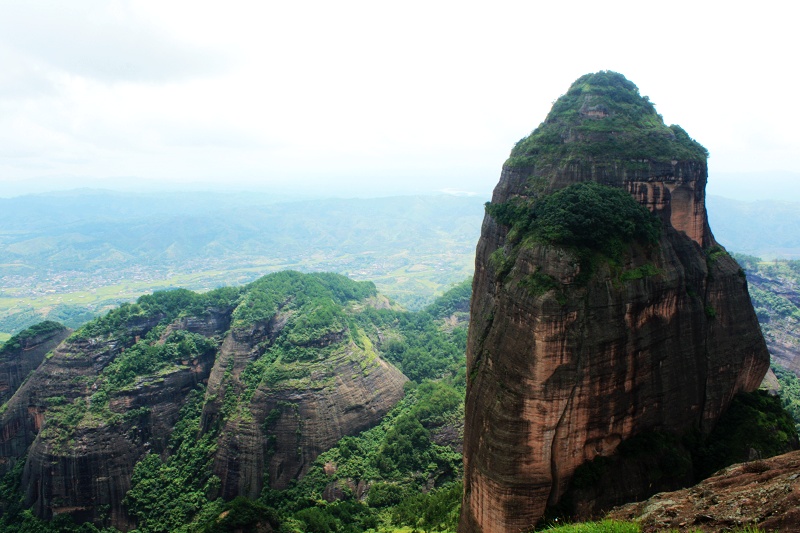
x=603, y=130
x=603, y=117
x=578, y=344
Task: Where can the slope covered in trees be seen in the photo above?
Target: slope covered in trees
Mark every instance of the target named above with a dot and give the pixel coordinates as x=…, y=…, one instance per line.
x=775, y=293
x=170, y=386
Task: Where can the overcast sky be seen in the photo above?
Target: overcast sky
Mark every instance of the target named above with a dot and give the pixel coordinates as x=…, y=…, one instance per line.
x=372, y=97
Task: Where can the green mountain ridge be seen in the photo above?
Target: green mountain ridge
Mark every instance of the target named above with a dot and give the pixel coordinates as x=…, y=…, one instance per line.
x=199, y=398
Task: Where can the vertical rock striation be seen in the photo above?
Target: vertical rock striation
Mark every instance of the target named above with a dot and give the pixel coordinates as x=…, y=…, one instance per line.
x=574, y=348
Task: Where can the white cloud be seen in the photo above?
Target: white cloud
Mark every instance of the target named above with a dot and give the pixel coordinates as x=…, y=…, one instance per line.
x=103, y=40
x=415, y=94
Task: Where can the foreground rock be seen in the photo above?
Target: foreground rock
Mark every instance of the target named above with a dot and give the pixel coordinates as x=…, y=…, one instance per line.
x=763, y=493
x=574, y=346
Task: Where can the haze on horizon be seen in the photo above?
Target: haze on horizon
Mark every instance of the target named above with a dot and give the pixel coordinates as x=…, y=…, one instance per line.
x=368, y=98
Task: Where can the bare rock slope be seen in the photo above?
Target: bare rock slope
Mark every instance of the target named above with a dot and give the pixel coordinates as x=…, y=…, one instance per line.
x=763, y=494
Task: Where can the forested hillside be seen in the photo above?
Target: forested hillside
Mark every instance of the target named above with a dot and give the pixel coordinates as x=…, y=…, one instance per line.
x=775, y=293
x=209, y=407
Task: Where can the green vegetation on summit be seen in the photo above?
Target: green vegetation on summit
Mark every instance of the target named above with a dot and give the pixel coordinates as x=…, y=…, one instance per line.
x=604, y=118
x=597, y=222
x=18, y=341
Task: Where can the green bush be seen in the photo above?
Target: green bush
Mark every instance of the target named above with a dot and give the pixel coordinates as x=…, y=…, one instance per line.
x=594, y=216
x=456, y=299
x=606, y=526
x=592, y=219
x=424, y=351
x=789, y=393
x=385, y=494
x=166, y=495
x=148, y=356
x=240, y=514
x=437, y=510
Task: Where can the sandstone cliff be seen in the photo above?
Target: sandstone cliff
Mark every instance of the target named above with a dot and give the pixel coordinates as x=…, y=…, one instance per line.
x=577, y=345
x=24, y=352
x=285, y=369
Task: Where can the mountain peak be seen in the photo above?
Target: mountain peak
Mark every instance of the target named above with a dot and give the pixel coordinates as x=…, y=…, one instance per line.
x=602, y=117
x=582, y=341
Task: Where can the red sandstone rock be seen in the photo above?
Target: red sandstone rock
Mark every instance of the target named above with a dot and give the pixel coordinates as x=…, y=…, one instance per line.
x=763, y=494
x=560, y=378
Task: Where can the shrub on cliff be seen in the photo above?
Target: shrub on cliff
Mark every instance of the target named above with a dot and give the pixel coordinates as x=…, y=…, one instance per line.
x=756, y=423
x=587, y=216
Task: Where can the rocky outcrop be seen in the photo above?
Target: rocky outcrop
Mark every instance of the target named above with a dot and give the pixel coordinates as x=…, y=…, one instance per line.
x=285, y=423
x=24, y=353
x=78, y=461
x=660, y=337
x=761, y=493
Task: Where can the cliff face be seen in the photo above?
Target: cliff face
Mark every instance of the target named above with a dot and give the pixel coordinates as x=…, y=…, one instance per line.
x=285, y=373
x=573, y=349
x=283, y=423
x=23, y=353
x=79, y=459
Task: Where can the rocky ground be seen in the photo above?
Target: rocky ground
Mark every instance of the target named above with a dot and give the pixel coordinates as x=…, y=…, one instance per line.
x=762, y=493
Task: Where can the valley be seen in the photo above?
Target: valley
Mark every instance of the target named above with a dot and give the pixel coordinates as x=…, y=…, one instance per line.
x=412, y=248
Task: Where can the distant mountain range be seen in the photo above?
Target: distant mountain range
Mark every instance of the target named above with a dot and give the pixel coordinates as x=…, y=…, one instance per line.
x=104, y=247
x=99, y=248
x=765, y=228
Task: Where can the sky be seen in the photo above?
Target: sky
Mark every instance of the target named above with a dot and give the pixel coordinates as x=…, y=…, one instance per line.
x=372, y=98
